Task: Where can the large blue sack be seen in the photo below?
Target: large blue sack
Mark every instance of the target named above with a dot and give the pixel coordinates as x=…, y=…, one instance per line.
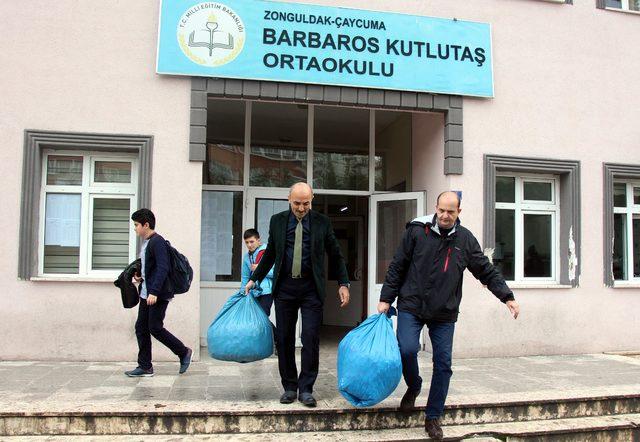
x=241, y=332
x=369, y=364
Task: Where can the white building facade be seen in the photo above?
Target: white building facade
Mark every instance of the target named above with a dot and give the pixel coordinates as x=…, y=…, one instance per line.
x=548, y=167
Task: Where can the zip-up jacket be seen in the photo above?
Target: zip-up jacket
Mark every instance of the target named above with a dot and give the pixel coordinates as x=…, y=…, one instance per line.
x=254, y=258
x=157, y=267
x=426, y=272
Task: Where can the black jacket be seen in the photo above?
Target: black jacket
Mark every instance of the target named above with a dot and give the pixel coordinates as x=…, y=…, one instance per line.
x=323, y=240
x=128, y=290
x=426, y=272
x=157, y=266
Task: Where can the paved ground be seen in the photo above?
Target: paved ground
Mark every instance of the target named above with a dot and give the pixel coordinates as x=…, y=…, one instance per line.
x=215, y=385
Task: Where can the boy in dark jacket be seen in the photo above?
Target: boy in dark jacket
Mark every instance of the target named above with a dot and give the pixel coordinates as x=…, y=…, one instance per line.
x=155, y=294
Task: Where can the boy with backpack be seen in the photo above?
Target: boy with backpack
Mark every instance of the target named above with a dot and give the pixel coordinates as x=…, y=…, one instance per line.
x=156, y=291
x=250, y=262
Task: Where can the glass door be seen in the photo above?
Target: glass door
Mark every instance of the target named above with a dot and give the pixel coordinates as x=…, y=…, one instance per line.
x=388, y=215
x=262, y=204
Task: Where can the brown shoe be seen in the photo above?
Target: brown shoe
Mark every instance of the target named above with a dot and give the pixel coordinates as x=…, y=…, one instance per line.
x=408, y=401
x=433, y=429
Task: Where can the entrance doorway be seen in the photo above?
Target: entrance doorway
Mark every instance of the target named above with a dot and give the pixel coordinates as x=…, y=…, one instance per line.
x=369, y=230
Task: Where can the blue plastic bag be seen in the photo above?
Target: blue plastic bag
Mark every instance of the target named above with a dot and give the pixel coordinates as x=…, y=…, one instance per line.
x=241, y=332
x=369, y=364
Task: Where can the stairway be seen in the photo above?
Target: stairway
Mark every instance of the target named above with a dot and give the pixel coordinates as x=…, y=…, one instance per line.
x=577, y=419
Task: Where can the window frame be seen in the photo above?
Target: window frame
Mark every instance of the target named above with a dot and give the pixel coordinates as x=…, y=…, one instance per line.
x=568, y=196
x=614, y=172
x=36, y=142
x=522, y=207
x=624, y=6
x=629, y=210
x=88, y=191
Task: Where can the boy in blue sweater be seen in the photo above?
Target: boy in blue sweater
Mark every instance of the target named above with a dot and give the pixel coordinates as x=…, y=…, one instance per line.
x=250, y=262
x=155, y=293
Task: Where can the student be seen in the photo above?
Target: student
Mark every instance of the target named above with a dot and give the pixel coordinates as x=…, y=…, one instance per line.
x=250, y=262
x=155, y=294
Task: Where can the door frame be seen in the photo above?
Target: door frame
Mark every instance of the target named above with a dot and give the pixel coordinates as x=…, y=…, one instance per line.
x=249, y=221
x=373, y=289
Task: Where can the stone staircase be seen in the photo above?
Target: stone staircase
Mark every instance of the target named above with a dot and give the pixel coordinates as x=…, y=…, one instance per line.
x=615, y=418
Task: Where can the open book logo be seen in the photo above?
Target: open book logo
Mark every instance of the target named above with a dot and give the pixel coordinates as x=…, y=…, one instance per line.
x=211, y=34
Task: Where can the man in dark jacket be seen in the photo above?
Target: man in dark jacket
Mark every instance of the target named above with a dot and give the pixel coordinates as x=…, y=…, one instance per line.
x=426, y=277
x=298, y=241
x=155, y=294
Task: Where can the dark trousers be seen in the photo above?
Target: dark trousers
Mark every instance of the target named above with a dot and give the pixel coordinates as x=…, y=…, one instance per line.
x=265, y=301
x=441, y=335
x=150, y=323
x=294, y=295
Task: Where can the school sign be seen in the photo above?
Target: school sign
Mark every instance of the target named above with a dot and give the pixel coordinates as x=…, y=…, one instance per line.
x=291, y=42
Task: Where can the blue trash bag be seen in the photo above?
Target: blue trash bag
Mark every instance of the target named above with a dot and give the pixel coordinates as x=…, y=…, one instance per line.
x=369, y=364
x=242, y=331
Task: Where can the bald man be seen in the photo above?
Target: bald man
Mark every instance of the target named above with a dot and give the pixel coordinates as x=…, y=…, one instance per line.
x=298, y=240
x=426, y=278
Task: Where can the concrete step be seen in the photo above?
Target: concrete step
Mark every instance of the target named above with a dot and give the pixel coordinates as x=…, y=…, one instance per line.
x=167, y=421
x=623, y=427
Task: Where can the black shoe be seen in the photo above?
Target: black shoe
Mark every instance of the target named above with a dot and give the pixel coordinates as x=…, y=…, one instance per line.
x=185, y=361
x=433, y=429
x=288, y=397
x=408, y=401
x=139, y=373
x=307, y=399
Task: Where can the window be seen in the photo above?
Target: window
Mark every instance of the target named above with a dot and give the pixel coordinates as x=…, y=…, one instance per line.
x=526, y=225
x=221, y=236
x=532, y=221
x=393, y=149
x=621, y=224
x=225, y=147
x=86, y=201
x=341, y=148
x=626, y=231
x=80, y=184
x=278, y=144
x=627, y=5
x=259, y=144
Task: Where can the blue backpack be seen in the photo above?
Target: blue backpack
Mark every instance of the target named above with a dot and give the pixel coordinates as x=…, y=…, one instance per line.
x=180, y=271
x=369, y=364
x=242, y=331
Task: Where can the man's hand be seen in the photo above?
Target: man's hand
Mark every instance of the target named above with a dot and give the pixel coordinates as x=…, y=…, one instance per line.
x=151, y=299
x=514, y=308
x=383, y=307
x=248, y=287
x=343, y=294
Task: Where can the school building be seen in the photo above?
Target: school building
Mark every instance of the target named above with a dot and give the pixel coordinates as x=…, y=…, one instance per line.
x=206, y=112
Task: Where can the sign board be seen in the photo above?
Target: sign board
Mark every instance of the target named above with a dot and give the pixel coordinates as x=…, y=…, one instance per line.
x=294, y=42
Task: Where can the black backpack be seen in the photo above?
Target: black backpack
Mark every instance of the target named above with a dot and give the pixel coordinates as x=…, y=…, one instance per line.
x=180, y=271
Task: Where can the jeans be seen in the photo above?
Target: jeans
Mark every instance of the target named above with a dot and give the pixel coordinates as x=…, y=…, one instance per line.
x=441, y=335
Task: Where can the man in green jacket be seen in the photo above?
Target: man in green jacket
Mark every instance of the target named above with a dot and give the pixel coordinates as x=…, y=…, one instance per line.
x=298, y=241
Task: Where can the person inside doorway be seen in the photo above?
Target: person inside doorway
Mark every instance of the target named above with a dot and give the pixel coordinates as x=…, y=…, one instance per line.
x=426, y=278
x=255, y=251
x=298, y=240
